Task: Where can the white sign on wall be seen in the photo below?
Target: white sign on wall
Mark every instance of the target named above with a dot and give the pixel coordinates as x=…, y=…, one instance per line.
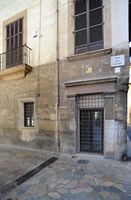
x=117, y=61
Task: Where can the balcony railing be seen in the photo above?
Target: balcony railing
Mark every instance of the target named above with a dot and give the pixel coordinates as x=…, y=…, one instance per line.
x=14, y=57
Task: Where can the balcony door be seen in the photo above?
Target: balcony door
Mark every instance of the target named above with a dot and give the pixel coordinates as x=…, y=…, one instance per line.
x=14, y=42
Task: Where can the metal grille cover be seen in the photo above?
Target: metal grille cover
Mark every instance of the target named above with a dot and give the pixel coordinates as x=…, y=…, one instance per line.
x=90, y=101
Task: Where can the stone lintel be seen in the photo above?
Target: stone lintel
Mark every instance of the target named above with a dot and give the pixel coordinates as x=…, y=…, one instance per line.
x=91, y=81
x=101, y=85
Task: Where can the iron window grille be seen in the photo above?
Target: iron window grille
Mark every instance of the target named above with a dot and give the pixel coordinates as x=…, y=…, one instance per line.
x=29, y=114
x=90, y=101
x=88, y=25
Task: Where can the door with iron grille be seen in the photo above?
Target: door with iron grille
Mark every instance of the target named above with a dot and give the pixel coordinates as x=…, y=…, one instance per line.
x=91, y=131
x=90, y=123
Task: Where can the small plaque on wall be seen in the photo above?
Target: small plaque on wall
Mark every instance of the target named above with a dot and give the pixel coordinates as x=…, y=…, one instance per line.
x=117, y=61
x=88, y=70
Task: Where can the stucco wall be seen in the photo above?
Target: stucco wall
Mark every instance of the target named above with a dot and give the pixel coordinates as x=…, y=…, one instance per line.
x=42, y=18
x=119, y=24
x=43, y=23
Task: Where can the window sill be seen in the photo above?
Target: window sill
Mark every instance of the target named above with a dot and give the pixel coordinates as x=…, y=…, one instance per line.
x=28, y=129
x=90, y=54
x=15, y=72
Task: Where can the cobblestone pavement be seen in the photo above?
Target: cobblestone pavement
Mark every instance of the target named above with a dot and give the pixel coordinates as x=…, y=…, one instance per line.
x=77, y=178
x=16, y=162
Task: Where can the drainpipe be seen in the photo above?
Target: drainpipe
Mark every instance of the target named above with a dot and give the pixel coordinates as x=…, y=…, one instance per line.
x=58, y=77
x=39, y=49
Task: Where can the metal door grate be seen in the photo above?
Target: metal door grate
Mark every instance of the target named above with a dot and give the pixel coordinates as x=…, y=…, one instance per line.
x=91, y=123
x=90, y=101
x=91, y=131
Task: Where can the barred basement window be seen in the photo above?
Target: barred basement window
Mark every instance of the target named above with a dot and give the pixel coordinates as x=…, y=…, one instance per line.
x=88, y=25
x=29, y=114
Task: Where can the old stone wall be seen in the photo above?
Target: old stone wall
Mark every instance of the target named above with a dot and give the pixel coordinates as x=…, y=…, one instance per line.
x=40, y=85
x=77, y=71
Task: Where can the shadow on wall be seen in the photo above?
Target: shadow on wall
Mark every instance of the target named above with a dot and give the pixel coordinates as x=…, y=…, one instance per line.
x=129, y=132
x=129, y=140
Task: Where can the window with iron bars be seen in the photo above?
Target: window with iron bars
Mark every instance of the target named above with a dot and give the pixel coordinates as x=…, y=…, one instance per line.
x=29, y=114
x=88, y=25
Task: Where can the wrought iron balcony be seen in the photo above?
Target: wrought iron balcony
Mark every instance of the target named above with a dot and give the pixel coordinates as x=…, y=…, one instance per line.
x=14, y=57
x=15, y=61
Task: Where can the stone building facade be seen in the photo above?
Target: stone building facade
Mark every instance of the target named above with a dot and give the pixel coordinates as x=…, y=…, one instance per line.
x=64, y=75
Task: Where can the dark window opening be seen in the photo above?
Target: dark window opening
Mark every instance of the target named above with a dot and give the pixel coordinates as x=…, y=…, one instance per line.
x=88, y=25
x=80, y=6
x=95, y=4
x=14, y=42
x=29, y=114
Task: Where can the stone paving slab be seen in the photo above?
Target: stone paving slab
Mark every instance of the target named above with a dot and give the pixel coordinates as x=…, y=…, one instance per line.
x=15, y=162
x=71, y=179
